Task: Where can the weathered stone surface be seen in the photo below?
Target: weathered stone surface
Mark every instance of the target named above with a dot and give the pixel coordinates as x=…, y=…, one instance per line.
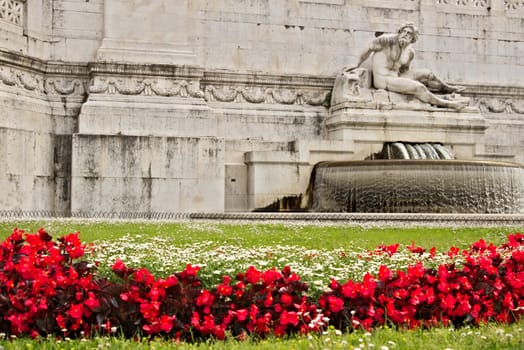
x=146, y=174
x=253, y=75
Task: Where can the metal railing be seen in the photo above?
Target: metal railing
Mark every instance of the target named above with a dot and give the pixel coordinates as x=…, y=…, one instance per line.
x=393, y=219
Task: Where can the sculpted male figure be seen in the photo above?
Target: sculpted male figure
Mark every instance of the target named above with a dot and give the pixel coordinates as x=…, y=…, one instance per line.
x=392, y=56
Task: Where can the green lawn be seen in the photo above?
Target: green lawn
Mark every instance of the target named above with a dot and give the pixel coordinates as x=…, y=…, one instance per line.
x=489, y=337
x=307, y=235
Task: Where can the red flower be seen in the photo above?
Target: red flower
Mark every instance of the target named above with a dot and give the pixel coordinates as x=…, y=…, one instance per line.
x=286, y=299
x=91, y=301
x=166, y=323
x=384, y=274
x=205, y=298
x=142, y=275
x=119, y=266
x=73, y=245
x=190, y=271
x=289, y=318
x=253, y=276
x=241, y=314
x=349, y=289
x=335, y=304
x=76, y=311
x=368, y=285
x=415, y=250
x=269, y=277
x=388, y=249
x=225, y=289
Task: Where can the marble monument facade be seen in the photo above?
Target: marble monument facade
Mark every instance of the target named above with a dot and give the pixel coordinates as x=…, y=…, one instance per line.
x=193, y=105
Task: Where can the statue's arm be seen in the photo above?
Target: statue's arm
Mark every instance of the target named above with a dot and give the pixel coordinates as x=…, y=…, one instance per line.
x=375, y=46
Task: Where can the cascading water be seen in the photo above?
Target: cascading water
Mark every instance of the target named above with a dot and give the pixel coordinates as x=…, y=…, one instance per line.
x=418, y=186
x=412, y=178
x=403, y=150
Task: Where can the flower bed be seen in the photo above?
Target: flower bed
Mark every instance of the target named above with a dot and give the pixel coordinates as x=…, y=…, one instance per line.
x=47, y=287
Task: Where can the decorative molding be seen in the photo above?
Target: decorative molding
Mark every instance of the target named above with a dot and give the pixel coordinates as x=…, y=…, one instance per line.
x=30, y=81
x=514, y=8
x=471, y=7
x=268, y=95
x=37, y=82
x=513, y=5
x=145, y=86
x=63, y=79
x=12, y=11
x=257, y=78
x=497, y=105
x=145, y=70
x=64, y=87
x=465, y=3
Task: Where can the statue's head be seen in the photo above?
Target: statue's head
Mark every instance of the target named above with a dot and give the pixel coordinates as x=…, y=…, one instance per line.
x=408, y=32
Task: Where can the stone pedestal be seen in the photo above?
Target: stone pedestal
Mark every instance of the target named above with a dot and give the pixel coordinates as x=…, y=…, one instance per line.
x=369, y=129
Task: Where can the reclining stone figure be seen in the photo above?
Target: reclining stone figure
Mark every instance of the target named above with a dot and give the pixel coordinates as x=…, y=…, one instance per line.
x=392, y=55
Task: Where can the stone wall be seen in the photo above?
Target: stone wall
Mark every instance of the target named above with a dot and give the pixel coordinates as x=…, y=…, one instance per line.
x=471, y=41
x=249, y=80
x=115, y=174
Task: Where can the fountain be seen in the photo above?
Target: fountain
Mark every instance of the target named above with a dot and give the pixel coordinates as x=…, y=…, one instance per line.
x=372, y=108
x=411, y=178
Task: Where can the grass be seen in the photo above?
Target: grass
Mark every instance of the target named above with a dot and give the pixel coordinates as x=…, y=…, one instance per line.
x=279, y=243
x=485, y=337
x=254, y=235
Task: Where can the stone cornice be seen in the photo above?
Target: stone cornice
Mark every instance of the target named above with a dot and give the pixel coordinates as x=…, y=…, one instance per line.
x=258, y=78
x=494, y=90
x=36, y=65
x=150, y=70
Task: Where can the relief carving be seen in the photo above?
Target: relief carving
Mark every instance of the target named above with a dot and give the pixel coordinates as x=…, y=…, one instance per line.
x=255, y=95
x=222, y=94
x=12, y=11
x=517, y=107
x=163, y=88
x=30, y=82
x=191, y=89
x=480, y=3
x=8, y=76
x=258, y=95
x=129, y=86
x=21, y=79
x=513, y=4
x=284, y=96
x=98, y=86
x=495, y=105
x=62, y=86
x=474, y=3
x=316, y=98
x=147, y=87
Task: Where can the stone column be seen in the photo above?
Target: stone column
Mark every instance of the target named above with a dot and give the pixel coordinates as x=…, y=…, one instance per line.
x=143, y=31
